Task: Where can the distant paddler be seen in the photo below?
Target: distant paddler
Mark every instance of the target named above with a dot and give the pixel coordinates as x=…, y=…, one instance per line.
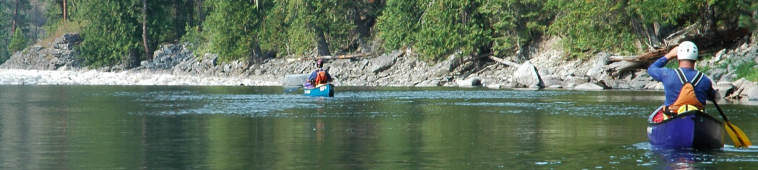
x=319, y=82
x=319, y=76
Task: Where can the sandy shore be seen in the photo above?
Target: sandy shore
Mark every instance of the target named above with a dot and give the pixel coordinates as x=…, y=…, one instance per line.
x=93, y=77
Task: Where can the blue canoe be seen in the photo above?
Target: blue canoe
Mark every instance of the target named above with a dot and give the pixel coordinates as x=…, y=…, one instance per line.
x=322, y=91
x=688, y=130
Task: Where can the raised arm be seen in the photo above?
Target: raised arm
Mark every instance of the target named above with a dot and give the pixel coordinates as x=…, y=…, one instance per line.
x=657, y=68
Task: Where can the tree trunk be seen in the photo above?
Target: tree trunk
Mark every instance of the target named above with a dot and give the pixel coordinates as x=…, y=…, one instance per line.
x=256, y=55
x=201, y=15
x=362, y=23
x=144, y=30
x=321, y=45
x=709, y=20
x=651, y=36
x=65, y=11
x=15, y=16
x=177, y=17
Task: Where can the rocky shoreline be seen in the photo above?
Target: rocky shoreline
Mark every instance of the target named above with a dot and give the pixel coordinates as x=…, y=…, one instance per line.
x=175, y=64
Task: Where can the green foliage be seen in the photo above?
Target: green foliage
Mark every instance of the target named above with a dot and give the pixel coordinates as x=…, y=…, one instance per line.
x=273, y=38
x=113, y=29
x=448, y=26
x=514, y=23
x=593, y=26
x=435, y=28
x=18, y=41
x=113, y=32
x=735, y=13
x=4, y=55
x=4, y=32
x=620, y=26
x=318, y=23
x=54, y=15
x=440, y=27
x=748, y=71
x=233, y=28
x=399, y=23
x=195, y=38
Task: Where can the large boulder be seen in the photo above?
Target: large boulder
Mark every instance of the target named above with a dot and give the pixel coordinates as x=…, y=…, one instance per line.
x=589, y=86
x=209, y=60
x=617, y=84
x=745, y=88
x=716, y=73
x=752, y=93
x=654, y=85
x=470, y=82
x=448, y=65
x=640, y=81
x=66, y=42
x=552, y=81
x=573, y=81
x=597, y=72
x=385, y=61
x=723, y=89
x=527, y=76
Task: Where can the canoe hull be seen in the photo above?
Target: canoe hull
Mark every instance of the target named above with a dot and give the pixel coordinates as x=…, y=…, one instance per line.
x=694, y=129
x=320, y=91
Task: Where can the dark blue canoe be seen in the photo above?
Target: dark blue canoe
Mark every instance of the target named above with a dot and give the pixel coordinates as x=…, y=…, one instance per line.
x=693, y=129
x=320, y=91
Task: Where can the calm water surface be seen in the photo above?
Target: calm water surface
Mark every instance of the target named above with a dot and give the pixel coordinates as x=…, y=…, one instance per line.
x=134, y=127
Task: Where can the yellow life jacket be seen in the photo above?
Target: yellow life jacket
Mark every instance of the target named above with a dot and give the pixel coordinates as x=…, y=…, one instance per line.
x=687, y=100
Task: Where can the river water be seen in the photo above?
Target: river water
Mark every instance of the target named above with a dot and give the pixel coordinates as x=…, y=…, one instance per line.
x=143, y=127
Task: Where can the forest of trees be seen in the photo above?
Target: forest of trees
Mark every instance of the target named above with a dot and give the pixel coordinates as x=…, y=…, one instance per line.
x=128, y=31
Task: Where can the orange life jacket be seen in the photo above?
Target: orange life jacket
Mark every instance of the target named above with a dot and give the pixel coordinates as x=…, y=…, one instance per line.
x=687, y=97
x=321, y=77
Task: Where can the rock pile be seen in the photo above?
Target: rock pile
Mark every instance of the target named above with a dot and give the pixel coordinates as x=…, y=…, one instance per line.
x=59, y=54
x=546, y=67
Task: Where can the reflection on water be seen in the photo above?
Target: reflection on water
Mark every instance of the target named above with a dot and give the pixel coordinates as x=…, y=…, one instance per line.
x=122, y=127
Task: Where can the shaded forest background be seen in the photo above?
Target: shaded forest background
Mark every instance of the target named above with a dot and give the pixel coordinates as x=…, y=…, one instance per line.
x=128, y=31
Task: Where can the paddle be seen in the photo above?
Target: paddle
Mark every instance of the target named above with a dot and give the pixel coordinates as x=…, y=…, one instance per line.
x=738, y=137
x=290, y=90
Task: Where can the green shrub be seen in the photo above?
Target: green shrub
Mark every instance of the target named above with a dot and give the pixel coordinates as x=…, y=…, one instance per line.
x=747, y=71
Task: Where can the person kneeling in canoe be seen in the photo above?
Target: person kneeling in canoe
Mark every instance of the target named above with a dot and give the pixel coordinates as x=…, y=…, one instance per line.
x=686, y=88
x=319, y=76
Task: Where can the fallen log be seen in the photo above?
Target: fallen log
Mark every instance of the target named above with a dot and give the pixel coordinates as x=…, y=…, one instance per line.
x=709, y=43
x=618, y=68
x=647, y=57
x=346, y=56
x=506, y=62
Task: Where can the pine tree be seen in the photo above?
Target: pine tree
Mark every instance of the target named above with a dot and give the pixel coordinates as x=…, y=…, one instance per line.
x=18, y=41
x=233, y=29
x=113, y=34
x=398, y=23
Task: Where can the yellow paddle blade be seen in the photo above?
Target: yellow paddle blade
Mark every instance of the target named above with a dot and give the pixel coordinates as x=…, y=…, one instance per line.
x=738, y=137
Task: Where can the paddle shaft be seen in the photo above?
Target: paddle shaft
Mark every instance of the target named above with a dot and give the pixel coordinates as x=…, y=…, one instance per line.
x=727, y=121
x=292, y=89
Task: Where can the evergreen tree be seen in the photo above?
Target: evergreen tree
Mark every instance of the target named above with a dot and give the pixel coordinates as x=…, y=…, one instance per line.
x=18, y=41
x=113, y=35
x=399, y=23
x=4, y=31
x=321, y=24
x=514, y=23
x=54, y=15
x=233, y=29
x=448, y=26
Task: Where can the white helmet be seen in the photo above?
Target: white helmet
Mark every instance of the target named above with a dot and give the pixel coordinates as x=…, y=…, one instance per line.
x=687, y=51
